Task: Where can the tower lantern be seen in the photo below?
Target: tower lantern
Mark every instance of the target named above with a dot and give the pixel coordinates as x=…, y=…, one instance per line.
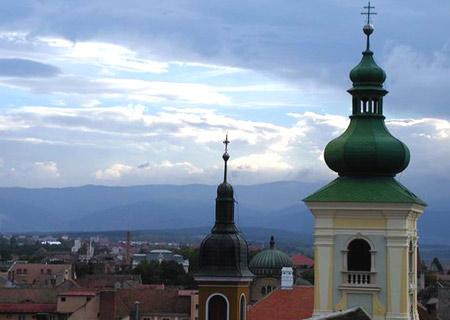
x=365, y=244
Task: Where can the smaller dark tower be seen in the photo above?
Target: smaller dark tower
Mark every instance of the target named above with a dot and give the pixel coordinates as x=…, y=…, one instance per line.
x=223, y=276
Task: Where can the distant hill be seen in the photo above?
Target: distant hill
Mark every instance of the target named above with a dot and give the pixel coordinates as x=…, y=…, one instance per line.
x=275, y=205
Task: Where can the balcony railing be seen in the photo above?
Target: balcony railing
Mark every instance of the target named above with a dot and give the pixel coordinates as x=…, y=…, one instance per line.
x=359, y=278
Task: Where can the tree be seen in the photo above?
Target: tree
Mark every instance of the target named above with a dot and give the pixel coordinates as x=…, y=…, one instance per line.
x=167, y=272
x=308, y=275
x=193, y=256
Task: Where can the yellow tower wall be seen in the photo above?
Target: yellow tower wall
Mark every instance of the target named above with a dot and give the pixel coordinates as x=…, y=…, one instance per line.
x=232, y=290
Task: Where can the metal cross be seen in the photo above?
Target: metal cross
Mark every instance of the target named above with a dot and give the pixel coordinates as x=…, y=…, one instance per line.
x=226, y=142
x=368, y=13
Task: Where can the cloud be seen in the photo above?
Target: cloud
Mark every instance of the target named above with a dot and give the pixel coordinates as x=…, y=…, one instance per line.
x=47, y=169
x=32, y=174
x=132, y=89
x=417, y=81
x=104, y=55
x=184, y=145
x=154, y=173
x=24, y=68
x=260, y=162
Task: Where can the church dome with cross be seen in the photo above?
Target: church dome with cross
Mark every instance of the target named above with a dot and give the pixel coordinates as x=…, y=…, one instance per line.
x=270, y=262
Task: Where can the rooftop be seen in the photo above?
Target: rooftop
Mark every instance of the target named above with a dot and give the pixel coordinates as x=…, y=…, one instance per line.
x=292, y=304
x=364, y=189
x=301, y=260
x=27, y=307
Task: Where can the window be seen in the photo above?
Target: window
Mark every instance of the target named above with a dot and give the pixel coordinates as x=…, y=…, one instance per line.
x=359, y=256
x=217, y=308
x=242, y=308
x=21, y=317
x=269, y=289
x=63, y=299
x=49, y=271
x=411, y=257
x=263, y=291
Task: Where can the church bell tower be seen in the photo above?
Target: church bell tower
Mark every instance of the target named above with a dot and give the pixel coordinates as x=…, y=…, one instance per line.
x=365, y=234
x=224, y=277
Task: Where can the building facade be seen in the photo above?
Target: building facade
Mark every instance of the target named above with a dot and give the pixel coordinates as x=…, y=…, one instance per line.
x=365, y=247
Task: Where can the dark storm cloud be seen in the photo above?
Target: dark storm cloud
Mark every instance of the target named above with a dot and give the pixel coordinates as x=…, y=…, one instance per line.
x=24, y=68
x=291, y=40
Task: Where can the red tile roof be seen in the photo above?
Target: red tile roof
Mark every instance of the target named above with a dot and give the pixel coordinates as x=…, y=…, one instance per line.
x=301, y=260
x=13, y=295
x=187, y=292
x=27, y=307
x=79, y=293
x=152, y=286
x=167, y=301
x=294, y=304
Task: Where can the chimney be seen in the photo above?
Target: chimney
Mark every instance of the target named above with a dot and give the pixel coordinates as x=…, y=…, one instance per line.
x=128, y=258
x=287, y=278
x=137, y=312
x=107, y=305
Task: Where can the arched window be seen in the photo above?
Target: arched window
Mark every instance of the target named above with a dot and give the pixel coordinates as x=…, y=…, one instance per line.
x=269, y=289
x=242, y=308
x=263, y=291
x=411, y=256
x=358, y=258
x=217, y=308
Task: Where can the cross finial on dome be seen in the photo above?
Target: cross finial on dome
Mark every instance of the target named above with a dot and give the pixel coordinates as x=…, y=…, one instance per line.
x=272, y=242
x=368, y=13
x=368, y=27
x=225, y=157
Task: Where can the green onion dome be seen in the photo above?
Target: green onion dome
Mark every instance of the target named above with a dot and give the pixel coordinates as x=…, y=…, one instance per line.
x=270, y=262
x=367, y=148
x=367, y=72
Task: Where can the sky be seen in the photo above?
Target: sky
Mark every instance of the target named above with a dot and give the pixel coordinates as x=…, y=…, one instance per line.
x=143, y=92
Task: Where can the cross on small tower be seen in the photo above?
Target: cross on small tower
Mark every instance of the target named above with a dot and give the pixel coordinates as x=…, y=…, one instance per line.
x=226, y=142
x=368, y=13
x=225, y=157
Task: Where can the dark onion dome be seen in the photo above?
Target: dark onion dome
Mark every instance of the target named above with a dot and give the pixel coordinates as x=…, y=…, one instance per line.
x=270, y=262
x=224, y=252
x=367, y=148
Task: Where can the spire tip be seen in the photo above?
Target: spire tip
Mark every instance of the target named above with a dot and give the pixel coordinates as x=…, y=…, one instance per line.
x=225, y=157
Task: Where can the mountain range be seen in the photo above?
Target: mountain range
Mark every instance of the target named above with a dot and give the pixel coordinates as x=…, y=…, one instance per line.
x=274, y=205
